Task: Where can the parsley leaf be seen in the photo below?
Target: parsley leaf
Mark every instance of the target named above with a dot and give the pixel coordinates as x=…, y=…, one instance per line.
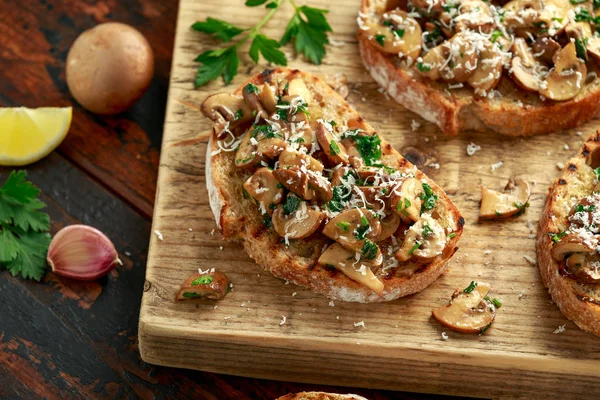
x=255, y=3
x=471, y=287
x=269, y=49
x=292, y=202
x=220, y=29
x=215, y=63
x=310, y=34
x=24, y=237
x=369, y=147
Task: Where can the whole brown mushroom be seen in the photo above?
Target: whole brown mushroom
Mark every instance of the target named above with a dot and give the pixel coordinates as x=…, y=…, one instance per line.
x=109, y=67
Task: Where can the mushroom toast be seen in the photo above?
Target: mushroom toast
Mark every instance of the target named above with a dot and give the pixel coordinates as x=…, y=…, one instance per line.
x=317, y=197
x=521, y=67
x=568, y=239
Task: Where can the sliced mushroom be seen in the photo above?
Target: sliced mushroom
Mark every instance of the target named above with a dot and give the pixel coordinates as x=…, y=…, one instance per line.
x=593, y=48
x=373, y=197
x=298, y=224
x=297, y=87
x=351, y=228
x=580, y=31
x=213, y=285
x=469, y=311
x=397, y=34
x=489, y=70
x=268, y=99
x=585, y=267
x=341, y=174
x=568, y=244
x=247, y=154
x=504, y=204
x=289, y=158
x=582, y=214
x=462, y=58
x=544, y=49
x=224, y=107
x=423, y=241
x=331, y=147
x=429, y=7
x=265, y=189
x=432, y=62
x=320, y=186
x=251, y=97
x=296, y=181
x=553, y=17
x=336, y=256
x=473, y=15
x=521, y=13
x=271, y=147
x=389, y=226
x=525, y=77
x=567, y=77
x=406, y=200
x=523, y=51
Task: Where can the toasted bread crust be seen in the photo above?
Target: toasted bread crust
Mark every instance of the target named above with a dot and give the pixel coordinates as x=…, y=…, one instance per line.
x=239, y=220
x=578, y=302
x=320, y=396
x=462, y=110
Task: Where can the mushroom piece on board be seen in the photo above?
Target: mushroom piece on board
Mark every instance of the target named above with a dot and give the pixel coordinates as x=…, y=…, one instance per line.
x=504, y=204
x=469, y=310
x=212, y=285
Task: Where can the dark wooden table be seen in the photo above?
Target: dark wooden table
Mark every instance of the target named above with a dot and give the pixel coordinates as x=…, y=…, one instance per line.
x=65, y=339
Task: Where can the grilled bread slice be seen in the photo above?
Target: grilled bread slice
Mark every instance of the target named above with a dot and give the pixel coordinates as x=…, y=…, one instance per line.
x=318, y=198
x=523, y=68
x=568, y=239
x=320, y=396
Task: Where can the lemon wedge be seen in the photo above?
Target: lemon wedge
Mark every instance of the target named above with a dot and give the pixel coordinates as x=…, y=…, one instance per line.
x=30, y=134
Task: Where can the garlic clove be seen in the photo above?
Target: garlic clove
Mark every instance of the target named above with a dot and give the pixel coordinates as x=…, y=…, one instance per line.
x=82, y=252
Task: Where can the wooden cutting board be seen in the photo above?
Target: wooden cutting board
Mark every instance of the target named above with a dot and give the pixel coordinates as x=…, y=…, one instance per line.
x=400, y=346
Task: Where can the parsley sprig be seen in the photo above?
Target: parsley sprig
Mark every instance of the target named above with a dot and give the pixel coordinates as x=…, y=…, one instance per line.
x=308, y=28
x=24, y=237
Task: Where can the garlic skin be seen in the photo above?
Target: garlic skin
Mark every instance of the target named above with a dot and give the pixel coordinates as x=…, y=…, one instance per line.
x=82, y=252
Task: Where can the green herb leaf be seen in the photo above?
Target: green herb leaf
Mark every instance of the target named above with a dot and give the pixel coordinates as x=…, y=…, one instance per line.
x=369, y=250
x=557, y=236
x=428, y=198
x=215, y=63
x=369, y=147
x=344, y=226
x=220, y=29
x=380, y=39
x=334, y=148
x=423, y=67
x=190, y=295
x=471, y=287
x=310, y=34
x=269, y=49
x=451, y=235
x=203, y=280
x=24, y=237
x=414, y=248
x=580, y=47
x=574, y=2
x=495, y=35
x=427, y=231
x=292, y=202
x=255, y=3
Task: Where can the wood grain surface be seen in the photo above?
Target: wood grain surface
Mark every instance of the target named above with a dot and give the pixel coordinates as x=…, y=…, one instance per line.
x=400, y=346
x=62, y=339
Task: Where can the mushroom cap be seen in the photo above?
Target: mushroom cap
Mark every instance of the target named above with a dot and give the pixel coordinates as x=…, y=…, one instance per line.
x=210, y=285
x=299, y=224
x=571, y=243
x=338, y=257
x=504, y=204
x=406, y=200
x=296, y=181
x=351, y=228
x=423, y=241
x=247, y=154
x=567, y=77
x=335, y=151
x=264, y=188
x=289, y=158
x=467, y=312
x=462, y=58
x=401, y=36
x=432, y=63
x=489, y=70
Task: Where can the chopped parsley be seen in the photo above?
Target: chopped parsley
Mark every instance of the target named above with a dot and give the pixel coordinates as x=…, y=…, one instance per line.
x=597, y=172
x=369, y=250
x=363, y=229
x=432, y=36
x=340, y=196
x=332, y=123
x=403, y=205
x=251, y=88
x=203, y=280
x=596, y=3
x=380, y=39
x=279, y=185
x=292, y=202
x=521, y=207
x=428, y=198
x=580, y=48
x=414, y=248
x=344, y=226
x=485, y=328
x=557, y=236
x=239, y=114
x=497, y=303
x=471, y=287
x=423, y=67
x=282, y=112
x=369, y=148
x=265, y=131
x=398, y=32
x=267, y=220
x=574, y=2
x=582, y=208
x=495, y=35
x=427, y=231
x=334, y=149
x=190, y=295
x=451, y=235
